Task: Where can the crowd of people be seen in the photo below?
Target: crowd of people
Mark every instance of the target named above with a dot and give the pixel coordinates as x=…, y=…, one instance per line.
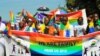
x=54, y=27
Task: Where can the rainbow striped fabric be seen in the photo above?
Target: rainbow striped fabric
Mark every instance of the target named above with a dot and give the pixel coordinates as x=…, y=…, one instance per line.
x=42, y=44
x=72, y=18
x=12, y=17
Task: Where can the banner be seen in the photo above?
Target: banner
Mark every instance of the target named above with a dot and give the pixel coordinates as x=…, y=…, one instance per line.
x=74, y=16
x=41, y=44
x=44, y=44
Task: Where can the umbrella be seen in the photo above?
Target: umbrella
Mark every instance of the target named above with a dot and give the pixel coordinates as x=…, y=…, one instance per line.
x=43, y=8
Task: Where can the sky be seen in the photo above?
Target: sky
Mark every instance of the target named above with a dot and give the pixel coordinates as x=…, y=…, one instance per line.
x=29, y=5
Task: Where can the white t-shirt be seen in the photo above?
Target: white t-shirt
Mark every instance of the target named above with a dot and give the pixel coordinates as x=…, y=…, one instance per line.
x=79, y=29
x=71, y=31
x=2, y=26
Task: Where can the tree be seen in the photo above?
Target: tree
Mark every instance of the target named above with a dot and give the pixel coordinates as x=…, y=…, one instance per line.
x=92, y=6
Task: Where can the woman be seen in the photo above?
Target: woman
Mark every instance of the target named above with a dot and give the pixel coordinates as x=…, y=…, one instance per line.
x=90, y=27
x=97, y=22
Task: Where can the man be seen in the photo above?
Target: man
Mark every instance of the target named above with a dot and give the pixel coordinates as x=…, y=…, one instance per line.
x=65, y=28
x=2, y=26
x=79, y=29
x=13, y=50
x=85, y=51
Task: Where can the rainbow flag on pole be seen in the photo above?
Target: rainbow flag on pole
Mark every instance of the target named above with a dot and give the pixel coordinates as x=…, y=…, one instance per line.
x=12, y=17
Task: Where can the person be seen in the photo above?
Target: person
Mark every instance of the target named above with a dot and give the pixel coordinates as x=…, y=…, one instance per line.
x=46, y=26
x=2, y=26
x=18, y=51
x=13, y=50
x=56, y=25
x=3, y=49
x=96, y=22
x=99, y=50
x=21, y=51
x=65, y=28
x=39, y=27
x=85, y=51
x=79, y=29
x=22, y=24
x=26, y=50
x=90, y=26
x=95, y=53
x=91, y=53
x=28, y=26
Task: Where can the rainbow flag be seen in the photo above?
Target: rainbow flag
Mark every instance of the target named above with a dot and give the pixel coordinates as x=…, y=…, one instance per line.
x=73, y=16
x=12, y=17
x=41, y=44
x=30, y=16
